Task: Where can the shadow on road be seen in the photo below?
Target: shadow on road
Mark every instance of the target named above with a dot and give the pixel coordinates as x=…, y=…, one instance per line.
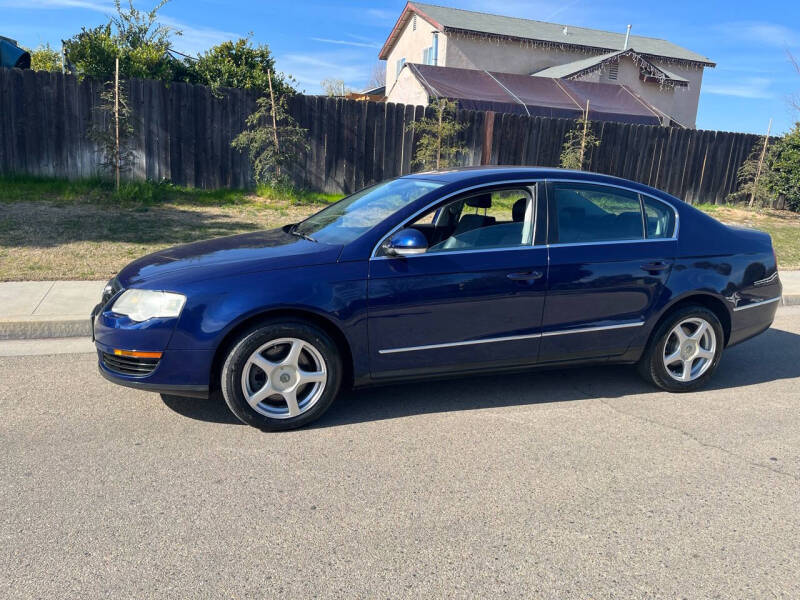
x=774, y=355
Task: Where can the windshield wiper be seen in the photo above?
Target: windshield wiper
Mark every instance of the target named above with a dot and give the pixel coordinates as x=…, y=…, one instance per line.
x=305, y=236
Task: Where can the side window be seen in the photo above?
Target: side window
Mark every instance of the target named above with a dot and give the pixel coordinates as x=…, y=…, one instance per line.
x=494, y=219
x=592, y=213
x=659, y=219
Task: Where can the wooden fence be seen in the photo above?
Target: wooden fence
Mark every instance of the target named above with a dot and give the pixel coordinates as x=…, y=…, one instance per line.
x=183, y=134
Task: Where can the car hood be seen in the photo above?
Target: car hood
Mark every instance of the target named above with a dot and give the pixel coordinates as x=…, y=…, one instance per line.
x=259, y=251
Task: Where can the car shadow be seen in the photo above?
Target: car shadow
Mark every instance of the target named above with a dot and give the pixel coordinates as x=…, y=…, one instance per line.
x=773, y=355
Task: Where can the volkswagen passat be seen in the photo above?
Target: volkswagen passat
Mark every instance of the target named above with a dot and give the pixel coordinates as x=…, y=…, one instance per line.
x=438, y=274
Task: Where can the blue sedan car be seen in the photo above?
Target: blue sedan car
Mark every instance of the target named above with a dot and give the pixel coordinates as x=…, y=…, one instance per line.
x=439, y=274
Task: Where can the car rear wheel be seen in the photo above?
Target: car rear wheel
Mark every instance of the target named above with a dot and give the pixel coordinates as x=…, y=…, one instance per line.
x=684, y=351
x=281, y=375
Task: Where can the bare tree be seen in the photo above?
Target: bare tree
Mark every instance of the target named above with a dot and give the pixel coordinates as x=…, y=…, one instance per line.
x=334, y=87
x=377, y=77
x=795, y=99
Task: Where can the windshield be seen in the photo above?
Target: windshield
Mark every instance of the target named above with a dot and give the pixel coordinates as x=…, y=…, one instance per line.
x=346, y=220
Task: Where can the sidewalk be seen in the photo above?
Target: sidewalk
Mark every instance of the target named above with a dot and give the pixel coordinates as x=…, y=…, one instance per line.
x=47, y=309
x=59, y=309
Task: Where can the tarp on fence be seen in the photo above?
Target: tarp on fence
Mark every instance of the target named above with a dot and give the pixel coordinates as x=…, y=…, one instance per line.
x=535, y=96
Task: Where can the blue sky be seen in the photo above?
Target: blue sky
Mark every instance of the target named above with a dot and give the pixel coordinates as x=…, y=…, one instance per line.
x=313, y=39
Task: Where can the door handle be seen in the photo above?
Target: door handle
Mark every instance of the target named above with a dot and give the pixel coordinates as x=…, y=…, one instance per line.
x=526, y=276
x=655, y=266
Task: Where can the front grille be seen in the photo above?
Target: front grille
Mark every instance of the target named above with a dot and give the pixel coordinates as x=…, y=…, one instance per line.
x=127, y=365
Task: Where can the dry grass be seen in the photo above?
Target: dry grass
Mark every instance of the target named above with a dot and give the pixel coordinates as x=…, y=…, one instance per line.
x=51, y=229
x=52, y=240
x=782, y=225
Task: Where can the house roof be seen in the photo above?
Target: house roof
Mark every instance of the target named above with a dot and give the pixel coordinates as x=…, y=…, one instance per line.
x=458, y=20
x=592, y=63
x=534, y=96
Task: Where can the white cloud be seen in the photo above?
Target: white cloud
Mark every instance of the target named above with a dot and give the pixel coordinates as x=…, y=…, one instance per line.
x=762, y=33
x=378, y=14
x=347, y=43
x=310, y=69
x=750, y=87
x=95, y=5
x=194, y=40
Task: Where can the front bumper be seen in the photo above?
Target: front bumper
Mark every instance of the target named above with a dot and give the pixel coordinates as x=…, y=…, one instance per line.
x=192, y=391
x=178, y=372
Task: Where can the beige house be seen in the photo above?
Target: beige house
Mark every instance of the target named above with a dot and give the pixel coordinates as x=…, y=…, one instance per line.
x=663, y=74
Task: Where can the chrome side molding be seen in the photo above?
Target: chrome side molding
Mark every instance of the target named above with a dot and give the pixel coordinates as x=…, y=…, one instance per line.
x=512, y=338
x=754, y=304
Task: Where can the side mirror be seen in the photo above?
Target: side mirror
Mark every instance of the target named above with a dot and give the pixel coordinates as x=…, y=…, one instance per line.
x=406, y=242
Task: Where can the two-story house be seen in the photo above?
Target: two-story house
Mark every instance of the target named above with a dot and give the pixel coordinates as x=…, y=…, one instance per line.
x=663, y=74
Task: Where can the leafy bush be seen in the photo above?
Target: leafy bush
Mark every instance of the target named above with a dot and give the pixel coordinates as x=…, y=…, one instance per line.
x=238, y=64
x=783, y=178
x=45, y=58
x=438, y=146
x=577, y=144
x=137, y=38
x=272, y=139
x=753, y=180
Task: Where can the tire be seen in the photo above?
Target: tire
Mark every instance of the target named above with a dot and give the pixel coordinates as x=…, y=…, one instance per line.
x=278, y=361
x=701, y=351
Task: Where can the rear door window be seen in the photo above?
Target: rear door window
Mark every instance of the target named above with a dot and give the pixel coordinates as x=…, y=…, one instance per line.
x=587, y=213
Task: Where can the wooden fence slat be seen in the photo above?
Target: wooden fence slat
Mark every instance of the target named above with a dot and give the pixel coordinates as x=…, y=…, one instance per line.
x=183, y=133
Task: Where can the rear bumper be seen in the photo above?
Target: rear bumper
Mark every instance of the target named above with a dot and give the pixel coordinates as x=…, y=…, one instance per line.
x=751, y=319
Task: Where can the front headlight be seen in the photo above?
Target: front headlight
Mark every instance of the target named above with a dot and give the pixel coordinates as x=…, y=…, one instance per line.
x=141, y=305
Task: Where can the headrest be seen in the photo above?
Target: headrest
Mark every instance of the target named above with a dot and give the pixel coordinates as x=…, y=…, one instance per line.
x=518, y=210
x=482, y=201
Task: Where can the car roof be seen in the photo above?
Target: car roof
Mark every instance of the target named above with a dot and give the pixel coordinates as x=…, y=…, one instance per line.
x=489, y=174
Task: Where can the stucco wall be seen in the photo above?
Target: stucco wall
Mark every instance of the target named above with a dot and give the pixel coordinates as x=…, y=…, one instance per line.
x=407, y=90
x=410, y=45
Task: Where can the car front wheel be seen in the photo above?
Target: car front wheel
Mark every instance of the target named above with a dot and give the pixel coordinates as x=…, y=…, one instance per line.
x=684, y=351
x=281, y=375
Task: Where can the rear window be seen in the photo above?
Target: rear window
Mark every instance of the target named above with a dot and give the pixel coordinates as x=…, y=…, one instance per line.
x=659, y=219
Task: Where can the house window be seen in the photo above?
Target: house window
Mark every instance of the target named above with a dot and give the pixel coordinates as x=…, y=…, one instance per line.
x=613, y=71
x=399, y=67
x=427, y=56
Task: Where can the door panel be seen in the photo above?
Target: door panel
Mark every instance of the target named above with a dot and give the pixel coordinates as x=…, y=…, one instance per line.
x=605, y=276
x=451, y=300
x=601, y=285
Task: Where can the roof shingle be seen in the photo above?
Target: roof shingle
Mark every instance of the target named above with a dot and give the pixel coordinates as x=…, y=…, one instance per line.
x=498, y=25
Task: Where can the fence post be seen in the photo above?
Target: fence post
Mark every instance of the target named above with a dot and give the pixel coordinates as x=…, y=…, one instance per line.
x=488, y=135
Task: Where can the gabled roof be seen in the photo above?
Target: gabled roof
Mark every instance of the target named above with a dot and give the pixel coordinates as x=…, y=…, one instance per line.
x=593, y=63
x=458, y=20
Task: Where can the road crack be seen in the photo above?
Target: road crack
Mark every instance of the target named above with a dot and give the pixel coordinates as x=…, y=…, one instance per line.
x=687, y=434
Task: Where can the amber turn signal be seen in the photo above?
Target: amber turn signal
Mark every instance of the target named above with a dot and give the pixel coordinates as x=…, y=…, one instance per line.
x=137, y=354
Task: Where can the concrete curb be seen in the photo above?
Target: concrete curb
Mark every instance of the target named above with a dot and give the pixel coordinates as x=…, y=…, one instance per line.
x=37, y=328
x=33, y=328
x=790, y=300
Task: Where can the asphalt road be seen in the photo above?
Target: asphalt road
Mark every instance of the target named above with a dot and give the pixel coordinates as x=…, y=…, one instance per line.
x=569, y=484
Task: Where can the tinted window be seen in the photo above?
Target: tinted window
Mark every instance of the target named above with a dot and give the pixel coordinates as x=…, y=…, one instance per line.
x=588, y=213
x=491, y=219
x=659, y=217
x=344, y=221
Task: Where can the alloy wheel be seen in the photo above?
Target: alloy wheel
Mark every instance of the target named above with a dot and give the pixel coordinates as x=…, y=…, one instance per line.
x=284, y=378
x=690, y=349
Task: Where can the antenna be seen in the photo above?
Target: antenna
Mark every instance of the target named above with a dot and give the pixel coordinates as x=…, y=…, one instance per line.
x=627, y=37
